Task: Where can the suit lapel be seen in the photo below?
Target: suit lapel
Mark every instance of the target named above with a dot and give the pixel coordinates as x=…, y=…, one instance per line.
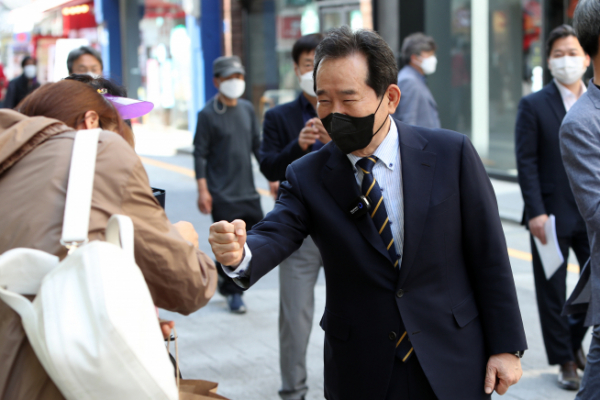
x=556, y=103
x=340, y=182
x=418, y=168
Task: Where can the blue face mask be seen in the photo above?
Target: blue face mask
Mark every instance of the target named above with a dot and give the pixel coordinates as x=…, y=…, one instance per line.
x=351, y=133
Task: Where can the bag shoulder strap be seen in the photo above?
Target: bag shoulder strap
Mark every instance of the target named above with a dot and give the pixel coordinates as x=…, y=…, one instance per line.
x=79, y=188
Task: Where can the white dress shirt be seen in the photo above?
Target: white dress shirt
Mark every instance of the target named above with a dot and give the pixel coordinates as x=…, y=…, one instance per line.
x=568, y=97
x=388, y=173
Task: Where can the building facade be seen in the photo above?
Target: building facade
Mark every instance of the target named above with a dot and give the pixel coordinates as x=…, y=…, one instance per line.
x=490, y=54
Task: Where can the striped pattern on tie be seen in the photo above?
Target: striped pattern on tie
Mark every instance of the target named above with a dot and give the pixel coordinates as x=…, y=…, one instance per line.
x=370, y=188
x=403, y=347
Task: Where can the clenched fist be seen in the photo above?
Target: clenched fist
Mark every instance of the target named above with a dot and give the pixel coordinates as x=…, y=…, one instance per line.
x=227, y=241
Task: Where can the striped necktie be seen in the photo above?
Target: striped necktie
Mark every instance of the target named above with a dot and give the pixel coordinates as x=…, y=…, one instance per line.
x=371, y=190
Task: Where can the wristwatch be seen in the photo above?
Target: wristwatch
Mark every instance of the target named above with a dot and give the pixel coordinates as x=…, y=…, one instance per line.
x=519, y=353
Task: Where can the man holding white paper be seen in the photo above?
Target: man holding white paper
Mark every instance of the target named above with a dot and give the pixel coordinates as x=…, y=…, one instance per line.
x=547, y=194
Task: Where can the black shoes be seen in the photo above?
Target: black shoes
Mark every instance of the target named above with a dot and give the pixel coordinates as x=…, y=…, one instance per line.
x=568, y=378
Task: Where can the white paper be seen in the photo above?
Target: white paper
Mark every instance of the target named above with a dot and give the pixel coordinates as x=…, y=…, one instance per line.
x=550, y=253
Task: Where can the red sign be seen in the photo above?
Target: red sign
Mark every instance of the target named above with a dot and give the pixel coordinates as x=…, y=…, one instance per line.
x=289, y=27
x=77, y=17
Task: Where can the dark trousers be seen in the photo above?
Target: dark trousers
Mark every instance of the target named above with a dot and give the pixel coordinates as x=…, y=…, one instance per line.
x=248, y=211
x=562, y=335
x=408, y=381
x=590, y=385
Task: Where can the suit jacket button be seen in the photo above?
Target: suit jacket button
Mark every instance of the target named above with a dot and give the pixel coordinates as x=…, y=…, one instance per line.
x=400, y=293
x=392, y=335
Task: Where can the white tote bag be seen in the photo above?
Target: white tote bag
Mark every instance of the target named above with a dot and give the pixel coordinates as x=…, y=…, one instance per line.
x=92, y=325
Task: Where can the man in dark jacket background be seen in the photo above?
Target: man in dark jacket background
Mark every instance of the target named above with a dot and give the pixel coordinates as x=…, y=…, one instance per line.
x=545, y=187
x=290, y=131
x=21, y=86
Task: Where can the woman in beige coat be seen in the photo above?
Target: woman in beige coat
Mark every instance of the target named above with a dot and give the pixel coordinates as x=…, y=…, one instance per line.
x=35, y=153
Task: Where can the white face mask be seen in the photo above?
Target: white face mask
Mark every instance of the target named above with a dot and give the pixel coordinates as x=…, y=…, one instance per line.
x=567, y=70
x=428, y=65
x=307, y=84
x=232, y=88
x=30, y=71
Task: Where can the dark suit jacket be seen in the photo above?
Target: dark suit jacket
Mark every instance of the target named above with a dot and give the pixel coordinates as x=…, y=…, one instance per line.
x=580, y=149
x=542, y=176
x=279, y=147
x=459, y=301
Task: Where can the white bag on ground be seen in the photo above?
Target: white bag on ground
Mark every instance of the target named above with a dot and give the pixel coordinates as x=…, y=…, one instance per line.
x=92, y=325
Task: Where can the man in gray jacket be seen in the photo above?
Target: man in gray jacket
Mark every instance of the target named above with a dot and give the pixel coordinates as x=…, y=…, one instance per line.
x=580, y=148
x=417, y=105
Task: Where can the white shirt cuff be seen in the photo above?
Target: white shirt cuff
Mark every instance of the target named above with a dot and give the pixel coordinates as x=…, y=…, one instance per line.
x=242, y=270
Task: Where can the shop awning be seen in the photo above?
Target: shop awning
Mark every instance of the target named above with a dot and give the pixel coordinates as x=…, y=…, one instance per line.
x=25, y=13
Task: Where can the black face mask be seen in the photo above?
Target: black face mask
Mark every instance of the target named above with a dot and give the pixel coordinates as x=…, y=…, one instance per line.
x=351, y=133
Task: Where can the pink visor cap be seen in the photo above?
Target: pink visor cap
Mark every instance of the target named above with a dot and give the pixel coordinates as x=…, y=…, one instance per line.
x=130, y=108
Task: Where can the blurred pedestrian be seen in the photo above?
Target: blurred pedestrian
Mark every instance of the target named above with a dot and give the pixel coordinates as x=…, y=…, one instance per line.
x=85, y=60
x=36, y=145
x=417, y=105
x=546, y=190
x=290, y=131
x=227, y=135
x=24, y=84
x=580, y=147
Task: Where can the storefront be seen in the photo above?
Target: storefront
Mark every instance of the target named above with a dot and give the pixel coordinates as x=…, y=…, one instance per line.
x=266, y=31
x=490, y=54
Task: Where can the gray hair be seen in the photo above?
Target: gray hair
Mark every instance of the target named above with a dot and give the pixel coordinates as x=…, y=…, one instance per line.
x=586, y=22
x=75, y=54
x=416, y=44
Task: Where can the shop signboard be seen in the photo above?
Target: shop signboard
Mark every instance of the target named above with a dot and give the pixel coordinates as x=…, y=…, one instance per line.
x=290, y=27
x=21, y=42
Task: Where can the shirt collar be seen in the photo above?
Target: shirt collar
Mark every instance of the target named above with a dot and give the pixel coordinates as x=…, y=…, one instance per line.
x=387, y=151
x=566, y=93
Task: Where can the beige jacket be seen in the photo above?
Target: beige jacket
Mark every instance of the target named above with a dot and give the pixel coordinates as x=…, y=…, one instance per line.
x=35, y=155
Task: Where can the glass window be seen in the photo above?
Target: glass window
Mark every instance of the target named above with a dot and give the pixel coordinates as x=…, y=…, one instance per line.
x=451, y=83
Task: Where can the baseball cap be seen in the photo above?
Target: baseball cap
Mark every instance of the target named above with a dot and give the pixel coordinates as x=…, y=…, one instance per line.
x=227, y=66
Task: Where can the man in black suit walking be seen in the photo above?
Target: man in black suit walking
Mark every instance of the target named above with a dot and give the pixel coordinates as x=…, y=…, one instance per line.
x=421, y=302
x=546, y=191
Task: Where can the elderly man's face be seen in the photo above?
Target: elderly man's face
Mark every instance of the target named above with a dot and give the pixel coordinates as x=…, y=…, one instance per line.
x=342, y=88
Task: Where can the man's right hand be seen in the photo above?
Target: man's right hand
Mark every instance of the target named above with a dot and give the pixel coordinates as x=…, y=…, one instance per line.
x=536, y=227
x=227, y=241
x=308, y=135
x=205, y=202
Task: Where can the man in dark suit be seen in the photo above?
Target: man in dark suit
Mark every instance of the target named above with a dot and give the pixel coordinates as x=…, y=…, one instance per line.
x=580, y=149
x=545, y=188
x=421, y=302
x=290, y=131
